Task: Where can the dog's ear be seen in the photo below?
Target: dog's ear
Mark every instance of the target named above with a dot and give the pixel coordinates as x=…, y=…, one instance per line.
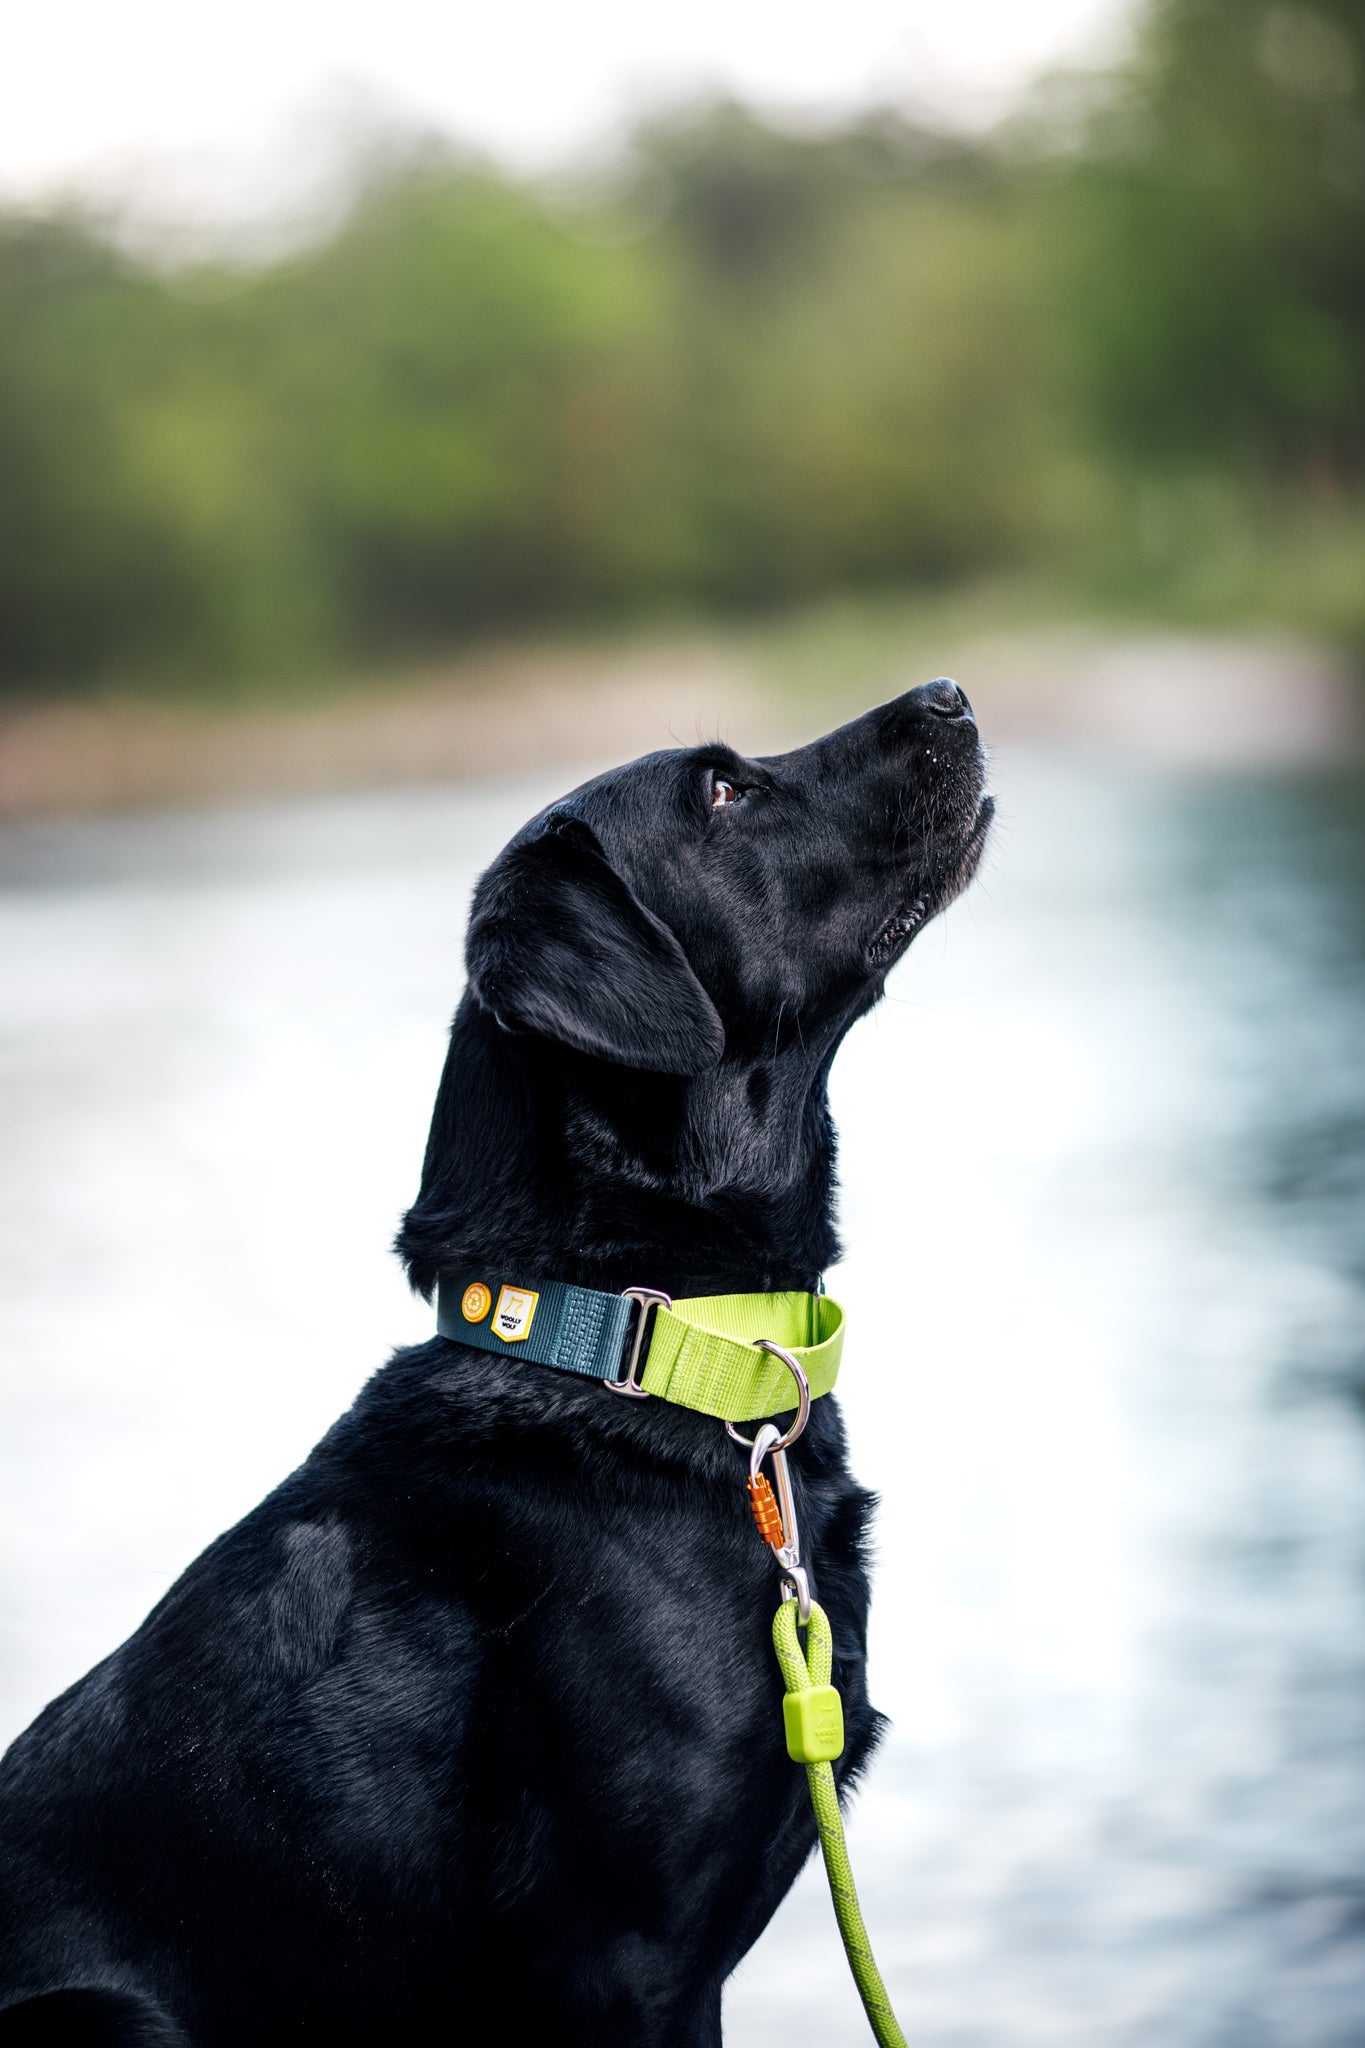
x=559, y=944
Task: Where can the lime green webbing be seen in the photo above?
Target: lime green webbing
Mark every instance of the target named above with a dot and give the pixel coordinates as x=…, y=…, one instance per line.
x=801, y=1670
x=702, y=1355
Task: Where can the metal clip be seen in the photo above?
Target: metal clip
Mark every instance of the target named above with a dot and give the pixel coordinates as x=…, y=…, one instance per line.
x=649, y=1299
x=795, y=1584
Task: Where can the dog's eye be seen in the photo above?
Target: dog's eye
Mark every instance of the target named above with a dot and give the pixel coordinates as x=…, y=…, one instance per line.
x=722, y=793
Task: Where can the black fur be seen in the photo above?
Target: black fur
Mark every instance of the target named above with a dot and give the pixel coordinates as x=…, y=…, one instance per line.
x=475, y=1722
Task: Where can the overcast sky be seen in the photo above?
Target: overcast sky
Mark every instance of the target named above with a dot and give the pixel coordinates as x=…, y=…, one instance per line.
x=223, y=106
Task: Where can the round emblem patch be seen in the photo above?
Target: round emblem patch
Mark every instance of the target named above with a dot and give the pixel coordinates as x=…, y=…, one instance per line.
x=475, y=1303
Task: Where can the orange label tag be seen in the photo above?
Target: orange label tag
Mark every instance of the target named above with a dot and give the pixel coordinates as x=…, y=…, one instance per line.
x=475, y=1302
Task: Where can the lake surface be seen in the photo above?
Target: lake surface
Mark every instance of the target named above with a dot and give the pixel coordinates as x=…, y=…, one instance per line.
x=1104, y=1162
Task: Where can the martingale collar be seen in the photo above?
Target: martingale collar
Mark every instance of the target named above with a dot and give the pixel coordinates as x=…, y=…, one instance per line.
x=701, y=1352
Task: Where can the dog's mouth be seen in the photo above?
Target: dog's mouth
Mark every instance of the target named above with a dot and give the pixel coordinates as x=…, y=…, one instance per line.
x=936, y=892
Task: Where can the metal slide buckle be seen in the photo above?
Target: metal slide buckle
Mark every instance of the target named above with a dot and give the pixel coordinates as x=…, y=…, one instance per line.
x=648, y=1298
x=794, y=1367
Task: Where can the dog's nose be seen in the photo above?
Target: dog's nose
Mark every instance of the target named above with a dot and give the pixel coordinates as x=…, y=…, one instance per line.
x=944, y=698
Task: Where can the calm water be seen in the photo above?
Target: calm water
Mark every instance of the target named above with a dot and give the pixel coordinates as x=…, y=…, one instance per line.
x=1104, y=1159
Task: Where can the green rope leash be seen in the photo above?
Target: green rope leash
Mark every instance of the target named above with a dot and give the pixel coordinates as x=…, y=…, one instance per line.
x=814, y=1720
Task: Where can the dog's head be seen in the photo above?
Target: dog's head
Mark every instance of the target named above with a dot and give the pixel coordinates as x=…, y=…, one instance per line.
x=696, y=907
x=660, y=968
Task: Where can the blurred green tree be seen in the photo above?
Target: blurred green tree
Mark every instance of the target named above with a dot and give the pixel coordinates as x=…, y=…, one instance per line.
x=1221, y=304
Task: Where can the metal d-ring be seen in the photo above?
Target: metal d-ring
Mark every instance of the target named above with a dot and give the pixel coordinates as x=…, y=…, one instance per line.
x=648, y=1298
x=797, y=1371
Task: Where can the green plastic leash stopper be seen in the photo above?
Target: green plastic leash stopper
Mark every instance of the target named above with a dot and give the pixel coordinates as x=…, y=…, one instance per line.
x=814, y=1721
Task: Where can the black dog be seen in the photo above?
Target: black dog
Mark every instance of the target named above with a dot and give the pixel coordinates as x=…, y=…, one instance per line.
x=475, y=1722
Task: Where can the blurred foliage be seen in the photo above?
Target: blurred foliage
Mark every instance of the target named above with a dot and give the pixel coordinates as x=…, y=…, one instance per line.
x=1119, y=345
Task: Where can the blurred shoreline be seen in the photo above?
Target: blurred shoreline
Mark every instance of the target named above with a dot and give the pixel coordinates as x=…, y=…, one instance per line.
x=1180, y=699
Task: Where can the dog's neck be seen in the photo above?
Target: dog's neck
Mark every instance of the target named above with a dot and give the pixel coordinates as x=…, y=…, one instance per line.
x=573, y=1169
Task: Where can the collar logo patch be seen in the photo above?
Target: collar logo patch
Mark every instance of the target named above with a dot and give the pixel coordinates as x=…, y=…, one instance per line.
x=475, y=1302
x=512, y=1316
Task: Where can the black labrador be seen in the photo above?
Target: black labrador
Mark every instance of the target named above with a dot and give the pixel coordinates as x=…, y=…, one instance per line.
x=475, y=1722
